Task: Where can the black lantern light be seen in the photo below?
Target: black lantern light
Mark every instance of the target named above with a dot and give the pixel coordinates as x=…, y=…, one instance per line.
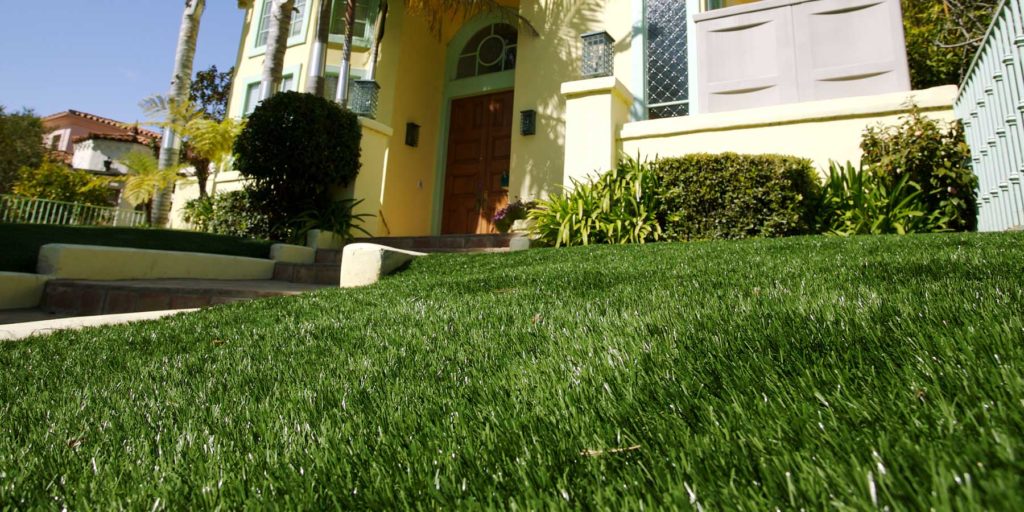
x=598, y=54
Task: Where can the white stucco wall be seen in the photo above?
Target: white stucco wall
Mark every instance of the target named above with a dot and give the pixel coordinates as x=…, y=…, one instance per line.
x=90, y=154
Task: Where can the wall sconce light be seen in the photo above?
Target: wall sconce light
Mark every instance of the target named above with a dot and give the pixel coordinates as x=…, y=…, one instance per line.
x=412, y=134
x=528, y=122
x=598, y=54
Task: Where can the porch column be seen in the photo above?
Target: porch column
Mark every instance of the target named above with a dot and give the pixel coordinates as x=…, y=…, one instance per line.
x=595, y=110
x=369, y=184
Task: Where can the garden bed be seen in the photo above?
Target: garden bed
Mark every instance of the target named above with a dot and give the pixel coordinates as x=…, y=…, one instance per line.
x=21, y=242
x=812, y=372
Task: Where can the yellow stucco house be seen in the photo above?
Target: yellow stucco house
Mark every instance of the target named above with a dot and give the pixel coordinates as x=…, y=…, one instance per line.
x=486, y=110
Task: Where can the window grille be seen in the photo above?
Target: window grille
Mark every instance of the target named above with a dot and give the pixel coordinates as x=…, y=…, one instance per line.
x=667, y=62
x=491, y=50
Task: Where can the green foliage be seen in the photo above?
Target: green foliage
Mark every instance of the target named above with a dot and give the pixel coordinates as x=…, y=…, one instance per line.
x=57, y=182
x=942, y=38
x=210, y=90
x=618, y=207
x=21, y=145
x=809, y=373
x=935, y=157
x=227, y=213
x=704, y=196
x=338, y=217
x=145, y=177
x=859, y=202
x=294, y=149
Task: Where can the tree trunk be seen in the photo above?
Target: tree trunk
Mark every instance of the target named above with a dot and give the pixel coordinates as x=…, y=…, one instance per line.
x=346, y=53
x=378, y=36
x=170, y=149
x=277, y=43
x=318, y=61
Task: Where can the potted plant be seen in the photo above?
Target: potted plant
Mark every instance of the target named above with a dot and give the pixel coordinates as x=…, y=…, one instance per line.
x=508, y=215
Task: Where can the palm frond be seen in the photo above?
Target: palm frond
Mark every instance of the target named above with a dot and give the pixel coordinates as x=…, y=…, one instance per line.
x=165, y=112
x=145, y=178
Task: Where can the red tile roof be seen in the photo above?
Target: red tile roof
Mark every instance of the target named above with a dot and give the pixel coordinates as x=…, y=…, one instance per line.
x=137, y=138
x=104, y=120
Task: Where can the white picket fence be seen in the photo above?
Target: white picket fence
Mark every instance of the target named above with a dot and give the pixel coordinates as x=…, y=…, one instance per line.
x=991, y=106
x=28, y=210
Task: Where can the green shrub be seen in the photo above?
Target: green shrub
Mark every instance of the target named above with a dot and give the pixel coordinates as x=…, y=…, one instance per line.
x=58, y=182
x=294, y=149
x=338, y=218
x=228, y=213
x=936, y=158
x=859, y=202
x=618, y=207
x=704, y=196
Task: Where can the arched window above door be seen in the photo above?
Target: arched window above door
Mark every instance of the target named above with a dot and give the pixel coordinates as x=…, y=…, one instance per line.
x=491, y=50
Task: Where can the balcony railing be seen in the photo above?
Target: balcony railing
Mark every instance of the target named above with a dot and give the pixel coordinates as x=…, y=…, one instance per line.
x=27, y=210
x=991, y=106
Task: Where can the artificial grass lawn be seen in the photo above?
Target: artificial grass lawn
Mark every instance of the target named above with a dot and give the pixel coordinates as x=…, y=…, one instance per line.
x=803, y=373
x=21, y=242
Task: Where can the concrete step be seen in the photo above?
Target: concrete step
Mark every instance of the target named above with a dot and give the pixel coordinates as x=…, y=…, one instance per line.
x=316, y=273
x=82, y=298
x=430, y=244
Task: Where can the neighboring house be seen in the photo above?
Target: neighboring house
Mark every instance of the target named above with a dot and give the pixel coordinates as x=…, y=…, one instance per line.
x=95, y=144
x=64, y=129
x=501, y=112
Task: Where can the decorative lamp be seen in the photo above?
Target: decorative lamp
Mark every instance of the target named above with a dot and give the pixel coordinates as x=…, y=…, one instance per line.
x=363, y=98
x=598, y=54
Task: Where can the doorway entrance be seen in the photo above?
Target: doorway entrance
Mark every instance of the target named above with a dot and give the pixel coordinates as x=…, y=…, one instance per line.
x=477, y=167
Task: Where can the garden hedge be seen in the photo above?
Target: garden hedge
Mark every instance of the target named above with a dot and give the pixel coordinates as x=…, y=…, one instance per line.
x=705, y=196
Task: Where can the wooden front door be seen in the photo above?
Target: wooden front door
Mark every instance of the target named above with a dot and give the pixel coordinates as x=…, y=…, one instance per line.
x=476, y=174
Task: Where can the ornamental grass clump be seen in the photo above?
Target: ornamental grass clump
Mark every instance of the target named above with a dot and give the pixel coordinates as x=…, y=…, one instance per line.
x=618, y=207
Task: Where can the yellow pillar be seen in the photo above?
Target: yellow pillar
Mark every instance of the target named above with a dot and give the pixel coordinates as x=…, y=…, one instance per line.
x=595, y=110
x=369, y=184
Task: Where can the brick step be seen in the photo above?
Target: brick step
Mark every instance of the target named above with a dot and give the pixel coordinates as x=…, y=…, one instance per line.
x=316, y=273
x=83, y=298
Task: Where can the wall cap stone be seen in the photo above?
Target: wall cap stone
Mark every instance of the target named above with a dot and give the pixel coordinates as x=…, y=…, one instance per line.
x=936, y=98
x=363, y=264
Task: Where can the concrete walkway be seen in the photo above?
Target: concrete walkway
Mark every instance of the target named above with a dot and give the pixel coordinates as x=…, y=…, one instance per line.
x=24, y=330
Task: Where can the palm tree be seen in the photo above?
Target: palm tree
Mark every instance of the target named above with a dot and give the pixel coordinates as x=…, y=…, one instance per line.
x=184, y=57
x=214, y=141
x=181, y=79
x=146, y=180
x=277, y=43
x=346, y=53
x=177, y=116
x=318, y=61
x=378, y=36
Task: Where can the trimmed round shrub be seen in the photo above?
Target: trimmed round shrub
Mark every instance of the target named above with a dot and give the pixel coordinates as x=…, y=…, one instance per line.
x=294, y=149
x=704, y=196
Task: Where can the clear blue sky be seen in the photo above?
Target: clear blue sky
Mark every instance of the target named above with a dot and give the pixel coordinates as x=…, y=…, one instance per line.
x=103, y=56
